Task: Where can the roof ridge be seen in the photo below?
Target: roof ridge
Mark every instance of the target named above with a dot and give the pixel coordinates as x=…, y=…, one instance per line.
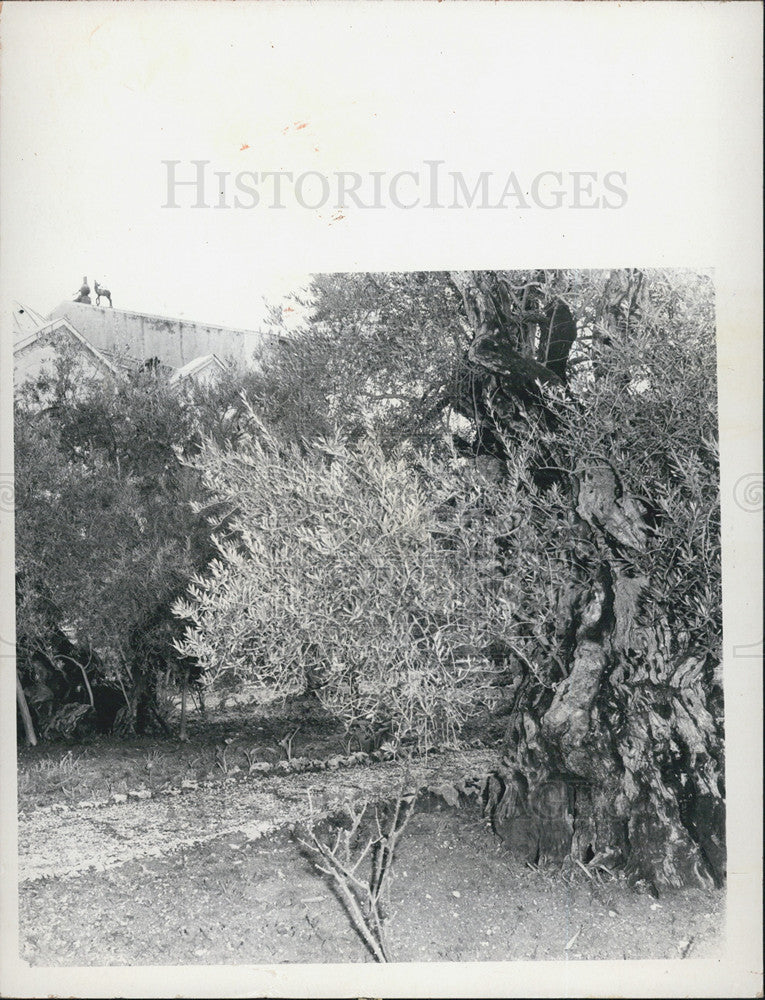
x=170, y=319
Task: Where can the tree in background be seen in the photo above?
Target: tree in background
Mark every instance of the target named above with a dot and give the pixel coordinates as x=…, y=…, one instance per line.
x=105, y=541
x=375, y=356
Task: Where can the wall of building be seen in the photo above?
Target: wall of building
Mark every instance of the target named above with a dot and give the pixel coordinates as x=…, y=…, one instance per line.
x=143, y=336
x=39, y=357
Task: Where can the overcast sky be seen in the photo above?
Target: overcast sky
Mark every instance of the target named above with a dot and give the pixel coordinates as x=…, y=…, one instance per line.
x=95, y=96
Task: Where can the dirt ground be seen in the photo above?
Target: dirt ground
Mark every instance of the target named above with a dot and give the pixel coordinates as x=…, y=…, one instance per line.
x=454, y=896
x=216, y=875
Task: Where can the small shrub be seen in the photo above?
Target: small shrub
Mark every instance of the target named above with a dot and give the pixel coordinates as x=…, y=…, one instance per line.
x=359, y=864
x=355, y=575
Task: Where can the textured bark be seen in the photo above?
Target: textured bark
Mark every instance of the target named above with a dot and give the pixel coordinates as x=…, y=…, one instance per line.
x=619, y=764
x=621, y=309
x=519, y=344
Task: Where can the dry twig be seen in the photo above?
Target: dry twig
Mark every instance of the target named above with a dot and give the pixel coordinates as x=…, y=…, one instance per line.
x=342, y=859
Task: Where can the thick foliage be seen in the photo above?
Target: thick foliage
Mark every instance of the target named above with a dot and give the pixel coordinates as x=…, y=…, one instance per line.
x=372, y=582
x=377, y=355
x=652, y=417
x=105, y=536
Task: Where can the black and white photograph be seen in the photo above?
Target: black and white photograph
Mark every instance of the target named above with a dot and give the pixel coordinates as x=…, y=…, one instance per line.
x=430, y=585
x=371, y=606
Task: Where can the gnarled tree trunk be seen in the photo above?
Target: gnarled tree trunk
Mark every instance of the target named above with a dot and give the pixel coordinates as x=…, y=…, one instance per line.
x=620, y=763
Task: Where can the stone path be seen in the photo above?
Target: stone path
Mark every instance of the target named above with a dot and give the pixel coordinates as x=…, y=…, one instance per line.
x=55, y=844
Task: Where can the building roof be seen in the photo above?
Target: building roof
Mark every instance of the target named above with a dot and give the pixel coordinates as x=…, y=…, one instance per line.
x=27, y=341
x=25, y=320
x=196, y=366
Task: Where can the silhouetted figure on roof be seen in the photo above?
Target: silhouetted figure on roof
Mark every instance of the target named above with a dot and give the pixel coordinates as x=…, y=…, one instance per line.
x=102, y=293
x=84, y=293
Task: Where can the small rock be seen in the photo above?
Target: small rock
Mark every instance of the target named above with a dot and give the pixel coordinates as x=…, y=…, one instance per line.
x=119, y=797
x=612, y=913
x=140, y=793
x=683, y=947
x=456, y=893
x=188, y=785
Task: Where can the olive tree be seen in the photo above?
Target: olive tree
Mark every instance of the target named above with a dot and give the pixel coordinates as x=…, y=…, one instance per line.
x=369, y=579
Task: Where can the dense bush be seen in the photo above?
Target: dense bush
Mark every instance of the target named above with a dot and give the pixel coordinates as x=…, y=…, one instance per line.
x=372, y=581
x=105, y=539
